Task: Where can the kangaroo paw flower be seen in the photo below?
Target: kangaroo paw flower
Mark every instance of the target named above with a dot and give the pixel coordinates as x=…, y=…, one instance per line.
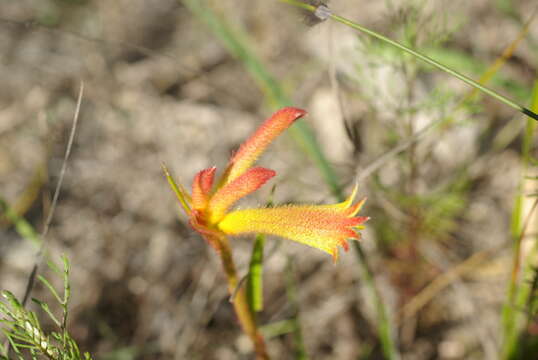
x=325, y=227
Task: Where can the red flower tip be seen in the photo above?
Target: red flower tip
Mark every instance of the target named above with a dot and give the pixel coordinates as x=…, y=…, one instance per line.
x=251, y=149
x=201, y=188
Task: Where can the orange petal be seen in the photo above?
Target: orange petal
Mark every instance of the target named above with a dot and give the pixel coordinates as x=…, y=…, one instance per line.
x=316, y=226
x=251, y=149
x=206, y=180
x=201, y=187
x=243, y=185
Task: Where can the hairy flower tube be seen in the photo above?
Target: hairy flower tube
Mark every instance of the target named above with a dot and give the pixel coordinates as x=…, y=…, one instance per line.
x=325, y=227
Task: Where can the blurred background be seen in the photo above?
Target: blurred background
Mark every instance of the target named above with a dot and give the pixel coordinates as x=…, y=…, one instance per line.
x=163, y=83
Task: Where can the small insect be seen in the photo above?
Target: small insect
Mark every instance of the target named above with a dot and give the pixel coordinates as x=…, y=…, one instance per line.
x=321, y=13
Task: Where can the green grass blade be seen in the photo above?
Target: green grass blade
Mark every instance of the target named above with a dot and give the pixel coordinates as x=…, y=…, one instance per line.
x=255, y=275
x=422, y=57
x=518, y=290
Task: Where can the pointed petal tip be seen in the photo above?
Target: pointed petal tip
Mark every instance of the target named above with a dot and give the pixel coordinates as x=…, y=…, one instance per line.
x=354, y=191
x=354, y=209
x=293, y=112
x=346, y=205
x=268, y=173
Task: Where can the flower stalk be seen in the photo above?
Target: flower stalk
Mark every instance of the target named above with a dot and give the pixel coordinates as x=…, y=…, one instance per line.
x=238, y=297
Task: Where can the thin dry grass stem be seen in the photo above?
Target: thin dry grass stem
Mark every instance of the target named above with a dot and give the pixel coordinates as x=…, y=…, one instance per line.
x=39, y=256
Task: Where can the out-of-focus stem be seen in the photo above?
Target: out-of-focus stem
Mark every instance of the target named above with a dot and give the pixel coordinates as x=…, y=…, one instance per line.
x=239, y=300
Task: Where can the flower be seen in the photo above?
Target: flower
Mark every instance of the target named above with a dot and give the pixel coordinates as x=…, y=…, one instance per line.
x=208, y=207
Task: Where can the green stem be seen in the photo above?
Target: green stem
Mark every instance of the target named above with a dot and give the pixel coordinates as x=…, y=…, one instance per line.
x=422, y=57
x=240, y=300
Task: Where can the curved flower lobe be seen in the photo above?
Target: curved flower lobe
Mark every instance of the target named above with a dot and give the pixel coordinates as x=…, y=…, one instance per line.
x=201, y=188
x=251, y=149
x=243, y=185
